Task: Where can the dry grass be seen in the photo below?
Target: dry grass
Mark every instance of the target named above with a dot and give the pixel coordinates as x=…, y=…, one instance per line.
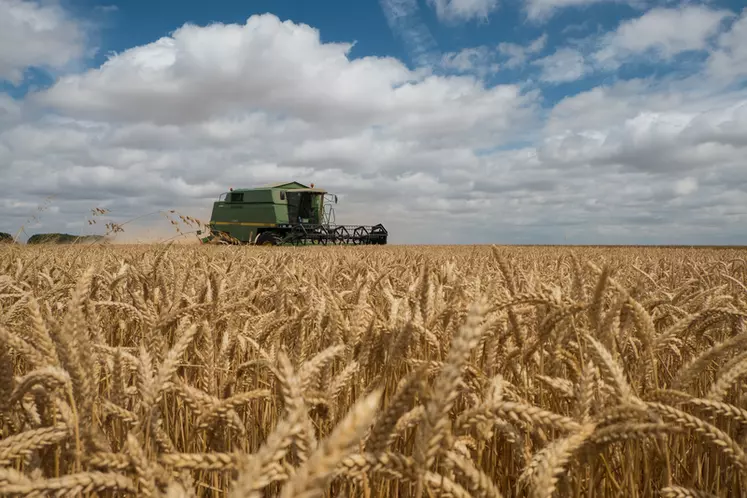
x=372, y=371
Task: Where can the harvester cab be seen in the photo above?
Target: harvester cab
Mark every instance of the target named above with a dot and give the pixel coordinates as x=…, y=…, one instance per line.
x=284, y=213
x=304, y=206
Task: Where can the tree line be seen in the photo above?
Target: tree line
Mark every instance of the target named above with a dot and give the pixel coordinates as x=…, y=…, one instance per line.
x=51, y=238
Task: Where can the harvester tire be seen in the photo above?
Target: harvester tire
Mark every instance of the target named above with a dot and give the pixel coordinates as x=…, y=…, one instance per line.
x=268, y=239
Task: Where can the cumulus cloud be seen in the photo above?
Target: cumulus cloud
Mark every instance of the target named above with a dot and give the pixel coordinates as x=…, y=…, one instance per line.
x=179, y=120
x=686, y=186
x=635, y=126
x=484, y=61
x=542, y=10
x=660, y=33
x=477, y=60
x=203, y=72
x=10, y=110
x=517, y=55
x=729, y=61
x=437, y=159
x=463, y=10
x=201, y=75
x=35, y=34
x=565, y=64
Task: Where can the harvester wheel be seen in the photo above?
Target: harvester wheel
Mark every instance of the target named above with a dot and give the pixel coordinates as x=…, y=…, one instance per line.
x=268, y=239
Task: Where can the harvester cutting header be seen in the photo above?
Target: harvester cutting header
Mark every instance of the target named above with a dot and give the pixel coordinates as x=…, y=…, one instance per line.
x=284, y=213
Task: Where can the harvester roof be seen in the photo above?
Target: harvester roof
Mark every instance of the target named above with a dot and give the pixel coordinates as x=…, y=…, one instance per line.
x=295, y=186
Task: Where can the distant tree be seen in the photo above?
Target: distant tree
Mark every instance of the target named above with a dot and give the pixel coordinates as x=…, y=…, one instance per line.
x=6, y=238
x=61, y=238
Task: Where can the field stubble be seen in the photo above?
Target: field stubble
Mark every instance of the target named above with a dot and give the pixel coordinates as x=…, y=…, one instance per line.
x=370, y=371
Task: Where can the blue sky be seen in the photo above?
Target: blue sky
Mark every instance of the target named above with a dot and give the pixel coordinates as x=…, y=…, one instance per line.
x=338, y=20
x=118, y=26
x=540, y=121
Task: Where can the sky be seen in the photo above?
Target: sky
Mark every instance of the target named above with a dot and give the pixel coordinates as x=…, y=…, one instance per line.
x=449, y=121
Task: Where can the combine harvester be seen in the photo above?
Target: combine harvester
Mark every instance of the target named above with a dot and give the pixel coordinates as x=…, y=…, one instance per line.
x=282, y=214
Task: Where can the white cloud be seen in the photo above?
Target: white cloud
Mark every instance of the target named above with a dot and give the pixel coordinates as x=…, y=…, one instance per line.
x=175, y=122
x=403, y=18
x=725, y=125
x=686, y=186
x=543, y=10
x=463, y=10
x=10, y=110
x=638, y=126
x=484, y=60
x=519, y=54
x=479, y=61
x=660, y=33
x=203, y=72
x=729, y=61
x=34, y=34
x=564, y=65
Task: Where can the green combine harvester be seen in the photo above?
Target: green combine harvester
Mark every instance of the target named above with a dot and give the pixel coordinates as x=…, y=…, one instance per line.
x=284, y=214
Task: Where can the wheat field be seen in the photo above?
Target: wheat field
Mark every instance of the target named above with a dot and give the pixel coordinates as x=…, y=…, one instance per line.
x=389, y=371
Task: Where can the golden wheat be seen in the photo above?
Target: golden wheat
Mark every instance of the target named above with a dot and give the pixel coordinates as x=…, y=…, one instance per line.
x=490, y=372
